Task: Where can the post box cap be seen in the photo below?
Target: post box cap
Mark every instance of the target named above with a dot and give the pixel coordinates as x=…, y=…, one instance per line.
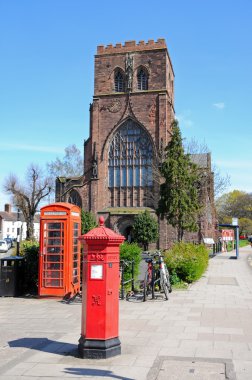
x=102, y=233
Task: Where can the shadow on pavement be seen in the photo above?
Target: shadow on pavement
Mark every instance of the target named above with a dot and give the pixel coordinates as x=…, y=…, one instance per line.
x=46, y=345
x=94, y=372
x=64, y=349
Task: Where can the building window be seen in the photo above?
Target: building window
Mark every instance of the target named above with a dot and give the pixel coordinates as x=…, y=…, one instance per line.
x=119, y=81
x=142, y=79
x=130, y=157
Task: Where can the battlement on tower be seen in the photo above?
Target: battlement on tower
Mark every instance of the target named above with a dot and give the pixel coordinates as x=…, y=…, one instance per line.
x=131, y=46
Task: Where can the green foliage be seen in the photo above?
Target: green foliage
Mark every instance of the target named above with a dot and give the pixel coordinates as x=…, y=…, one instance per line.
x=245, y=226
x=186, y=261
x=129, y=252
x=30, y=251
x=145, y=229
x=243, y=243
x=179, y=202
x=234, y=204
x=88, y=221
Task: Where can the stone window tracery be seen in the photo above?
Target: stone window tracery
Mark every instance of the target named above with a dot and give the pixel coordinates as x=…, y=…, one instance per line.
x=130, y=157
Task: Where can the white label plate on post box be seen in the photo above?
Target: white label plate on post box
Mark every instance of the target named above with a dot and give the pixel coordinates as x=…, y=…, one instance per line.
x=96, y=272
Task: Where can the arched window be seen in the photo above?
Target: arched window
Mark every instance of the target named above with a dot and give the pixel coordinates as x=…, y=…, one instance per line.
x=142, y=79
x=130, y=157
x=119, y=81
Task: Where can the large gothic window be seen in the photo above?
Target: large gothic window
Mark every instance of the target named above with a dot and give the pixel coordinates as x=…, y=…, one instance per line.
x=142, y=79
x=130, y=157
x=119, y=81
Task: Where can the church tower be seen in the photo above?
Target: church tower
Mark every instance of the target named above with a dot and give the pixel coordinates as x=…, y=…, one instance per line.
x=130, y=121
x=130, y=125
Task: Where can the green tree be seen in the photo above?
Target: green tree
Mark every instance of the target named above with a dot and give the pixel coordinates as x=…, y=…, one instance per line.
x=88, y=221
x=179, y=202
x=234, y=204
x=145, y=229
x=245, y=226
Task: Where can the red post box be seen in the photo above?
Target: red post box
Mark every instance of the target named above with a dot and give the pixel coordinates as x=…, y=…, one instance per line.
x=59, y=258
x=100, y=294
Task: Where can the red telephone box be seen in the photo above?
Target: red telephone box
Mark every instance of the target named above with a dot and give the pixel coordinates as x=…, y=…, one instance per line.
x=59, y=260
x=100, y=294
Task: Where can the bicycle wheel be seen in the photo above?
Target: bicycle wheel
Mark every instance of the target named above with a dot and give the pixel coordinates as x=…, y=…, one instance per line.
x=168, y=278
x=164, y=285
x=146, y=286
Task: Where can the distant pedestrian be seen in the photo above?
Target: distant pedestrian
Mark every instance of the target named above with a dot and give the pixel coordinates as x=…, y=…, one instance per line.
x=250, y=240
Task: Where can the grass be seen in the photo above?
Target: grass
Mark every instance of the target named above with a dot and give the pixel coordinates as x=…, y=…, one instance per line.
x=243, y=243
x=180, y=286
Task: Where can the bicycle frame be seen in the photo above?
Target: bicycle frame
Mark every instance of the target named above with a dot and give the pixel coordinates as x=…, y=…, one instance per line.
x=154, y=275
x=151, y=274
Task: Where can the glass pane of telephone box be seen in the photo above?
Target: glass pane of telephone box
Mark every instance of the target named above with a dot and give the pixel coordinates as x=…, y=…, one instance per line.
x=53, y=257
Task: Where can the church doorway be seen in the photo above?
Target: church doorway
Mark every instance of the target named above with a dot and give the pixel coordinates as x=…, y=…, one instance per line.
x=128, y=234
x=125, y=228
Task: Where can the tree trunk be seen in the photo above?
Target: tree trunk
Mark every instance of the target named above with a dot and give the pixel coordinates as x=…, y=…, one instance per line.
x=30, y=228
x=180, y=232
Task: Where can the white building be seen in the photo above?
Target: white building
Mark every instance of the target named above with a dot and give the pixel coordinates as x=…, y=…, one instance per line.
x=9, y=224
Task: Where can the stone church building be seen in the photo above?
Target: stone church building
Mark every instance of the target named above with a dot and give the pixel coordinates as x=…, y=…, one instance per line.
x=130, y=125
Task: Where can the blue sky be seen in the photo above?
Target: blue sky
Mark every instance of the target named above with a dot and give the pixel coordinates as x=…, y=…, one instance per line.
x=47, y=52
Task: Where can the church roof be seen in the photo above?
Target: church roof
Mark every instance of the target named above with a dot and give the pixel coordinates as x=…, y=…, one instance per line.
x=203, y=160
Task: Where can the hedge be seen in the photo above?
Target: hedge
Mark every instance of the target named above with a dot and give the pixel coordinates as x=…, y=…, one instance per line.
x=186, y=261
x=30, y=251
x=129, y=252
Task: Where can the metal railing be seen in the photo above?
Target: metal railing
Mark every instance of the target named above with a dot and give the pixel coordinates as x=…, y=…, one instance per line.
x=123, y=265
x=217, y=247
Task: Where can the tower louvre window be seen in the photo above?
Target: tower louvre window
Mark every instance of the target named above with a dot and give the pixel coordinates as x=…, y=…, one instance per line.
x=142, y=80
x=119, y=81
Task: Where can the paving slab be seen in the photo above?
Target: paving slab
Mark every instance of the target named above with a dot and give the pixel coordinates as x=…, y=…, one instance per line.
x=203, y=333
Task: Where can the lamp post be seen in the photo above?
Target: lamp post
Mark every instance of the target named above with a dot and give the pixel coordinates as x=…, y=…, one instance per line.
x=18, y=231
x=235, y=223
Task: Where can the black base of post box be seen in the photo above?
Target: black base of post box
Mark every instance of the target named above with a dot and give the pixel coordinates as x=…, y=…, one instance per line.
x=99, y=349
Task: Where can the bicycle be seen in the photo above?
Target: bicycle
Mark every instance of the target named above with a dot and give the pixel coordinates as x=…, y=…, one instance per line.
x=157, y=275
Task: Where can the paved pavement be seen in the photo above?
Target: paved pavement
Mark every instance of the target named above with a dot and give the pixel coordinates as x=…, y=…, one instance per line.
x=201, y=333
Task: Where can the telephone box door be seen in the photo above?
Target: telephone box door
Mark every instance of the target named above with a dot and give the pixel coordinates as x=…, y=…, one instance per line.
x=53, y=256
